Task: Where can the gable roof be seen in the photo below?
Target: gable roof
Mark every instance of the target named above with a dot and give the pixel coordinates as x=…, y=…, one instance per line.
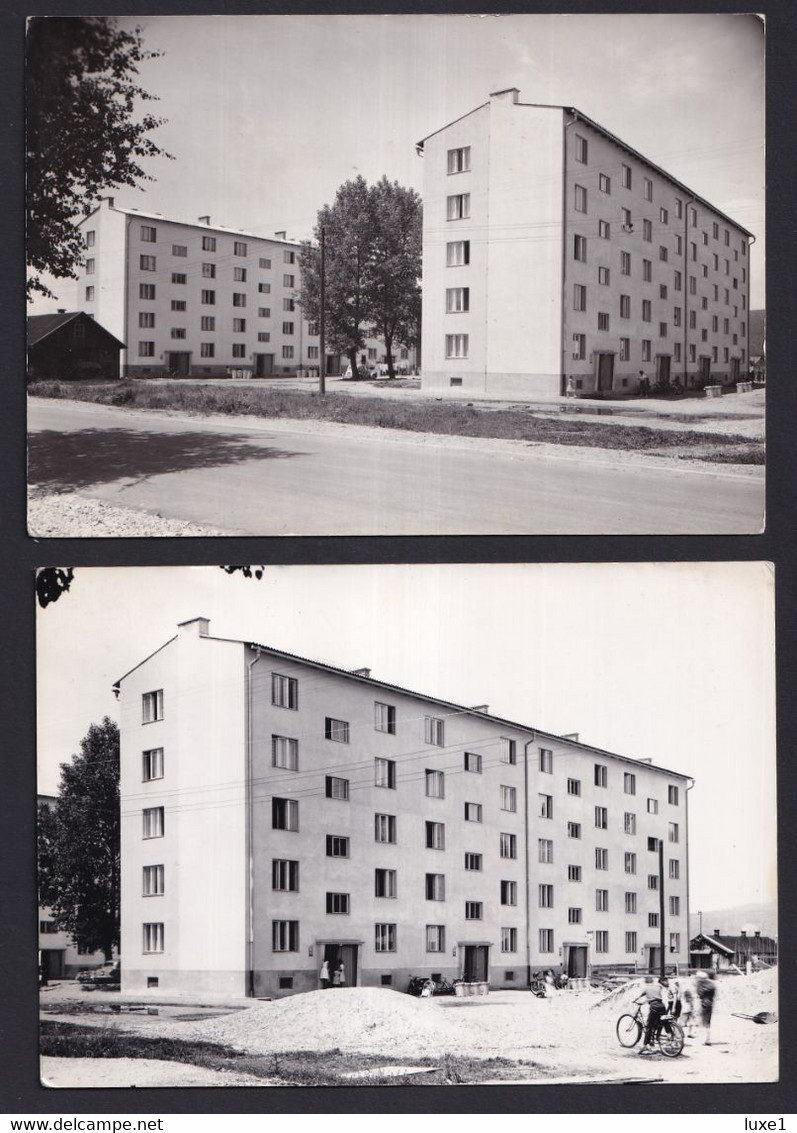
x=40, y=327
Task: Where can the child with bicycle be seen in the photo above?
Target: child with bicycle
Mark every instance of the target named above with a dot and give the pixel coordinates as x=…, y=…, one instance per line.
x=653, y=995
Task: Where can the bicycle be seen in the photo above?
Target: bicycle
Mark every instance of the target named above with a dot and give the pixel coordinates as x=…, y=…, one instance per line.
x=669, y=1038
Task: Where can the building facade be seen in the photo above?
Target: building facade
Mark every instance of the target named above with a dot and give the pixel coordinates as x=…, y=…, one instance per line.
x=557, y=259
x=279, y=812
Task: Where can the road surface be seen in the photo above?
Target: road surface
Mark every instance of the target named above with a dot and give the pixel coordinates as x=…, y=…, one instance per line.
x=248, y=476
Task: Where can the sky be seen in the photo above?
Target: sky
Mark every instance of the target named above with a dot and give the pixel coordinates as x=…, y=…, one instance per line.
x=268, y=115
x=672, y=662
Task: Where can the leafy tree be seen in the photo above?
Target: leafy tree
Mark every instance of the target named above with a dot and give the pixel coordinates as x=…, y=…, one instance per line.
x=79, y=843
x=392, y=288
x=85, y=132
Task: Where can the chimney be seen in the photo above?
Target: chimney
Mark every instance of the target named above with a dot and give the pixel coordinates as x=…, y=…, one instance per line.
x=200, y=627
x=743, y=933
x=110, y=201
x=62, y=310
x=716, y=932
x=361, y=672
x=203, y=219
x=511, y=94
x=481, y=708
x=571, y=736
x=757, y=932
x=281, y=235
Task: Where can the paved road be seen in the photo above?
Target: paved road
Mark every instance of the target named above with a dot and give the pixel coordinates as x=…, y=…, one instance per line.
x=254, y=477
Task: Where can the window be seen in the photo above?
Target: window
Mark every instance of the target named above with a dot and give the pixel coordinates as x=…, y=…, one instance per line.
x=152, y=881
x=458, y=206
x=625, y=176
x=456, y=346
x=672, y=831
x=653, y=806
x=285, y=936
x=645, y=349
x=574, y=787
x=677, y=281
x=625, y=349
x=625, y=263
x=601, y=858
x=579, y=346
x=153, y=935
x=208, y=298
x=603, y=320
x=179, y=250
x=602, y=900
x=385, y=938
x=435, y=784
x=574, y=916
x=580, y=248
x=676, y=351
x=603, y=276
x=601, y=775
x=435, y=836
x=285, y=753
x=672, y=795
x=630, y=902
x=459, y=160
x=647, y=186
x=239, y=350
x=435, y=938
x=674, y=869
x=337, y=846
x=545, y=895
x=581, y=198
x=152, y=706
x=625, y=306
x=653, y=881
x=676, y=316
x=574, y=829
x=646, y=310
x=473, y=762
x=546, y=806
x=601, y=818
x=473, y=812
x=287, y=352
x=692, y=320
x=546, y=940
x=385, y=883
x=604, y=229
x=179, y=277
x=285, y=875
x=385, y=718
x=574, y=873
x=148, y=234
x=337, y=788
x=581, y=149
x=545, y=848
x=178, y=332
x=385, y=773
x=473, y=910
x=385, y=828
x=457, y=253
x=208, y=243
x=508, y=753
x=579, y=297
x=178, y=304
x=289, y=280
x=662, y=330
x=435, y=887
x=337, y=730
x=146, y=349
x=509, y=893
x=679, y=245
x=152, y=817
x=630, y=942
x=146, y=290
x=146, y=318
x=152, y=764
x=473, y=862
x=663, y=253
x=91, y=265
x=675, y=942
x=693, y=217
x=284, y=814
x=239, y=299
x=647, y=231
x=647, y=271
x=508, y=798
x=145, y=263
x=629, y=823
x=509, y=940
x=675, y=906
x=508, y=845
x=664, y=216
x=338, y=903
x=692, y=285
x=604, y=183
x=433, y=730
x=630, y=863
x=653, y=845
x=601, y=941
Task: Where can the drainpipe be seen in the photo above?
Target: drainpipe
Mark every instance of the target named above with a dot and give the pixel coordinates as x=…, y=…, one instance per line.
x=690, y=202
x=567, y=125
x=250, y=942
x=126, y=299
x=526, y=838
x=686, y=816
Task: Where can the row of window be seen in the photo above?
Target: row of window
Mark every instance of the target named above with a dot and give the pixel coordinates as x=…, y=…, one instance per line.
x=546, y=898
x=545, y=855
x=646, y=350
x=146, y=348
x=149, y=235
x=149, y=263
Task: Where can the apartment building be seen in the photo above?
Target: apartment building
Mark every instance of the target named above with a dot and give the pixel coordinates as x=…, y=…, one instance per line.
x=557, y=259
x=193, y=298
x=278, y=812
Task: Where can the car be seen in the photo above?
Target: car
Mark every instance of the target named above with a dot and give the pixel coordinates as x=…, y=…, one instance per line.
x=107, y=975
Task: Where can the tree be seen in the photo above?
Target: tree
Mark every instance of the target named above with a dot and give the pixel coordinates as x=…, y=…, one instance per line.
x=392, y=288
x=79, y=843
x=84, y=131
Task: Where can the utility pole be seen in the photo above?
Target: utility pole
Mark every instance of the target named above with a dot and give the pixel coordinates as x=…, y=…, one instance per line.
x=322, y=369
x=661, y=905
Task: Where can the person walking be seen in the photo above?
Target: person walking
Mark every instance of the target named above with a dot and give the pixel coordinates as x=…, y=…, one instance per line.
x=688, y=1019
x=323, y=977
x=652, y=995
x=706, y=993
x=340, y=976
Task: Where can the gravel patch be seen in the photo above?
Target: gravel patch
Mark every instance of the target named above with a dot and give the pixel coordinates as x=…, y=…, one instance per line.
x=69, y=515
x=104, y=1073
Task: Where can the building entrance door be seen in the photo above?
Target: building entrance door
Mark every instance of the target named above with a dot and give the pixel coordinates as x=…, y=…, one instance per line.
x=663, y=369
x=52, y=963
x=705, y=368
x=577, y=961
x=179, y=363
x=605, y=372
x=476, y=963
x=654, y=958
x=264, y=365
x=346, y=954
x=734, y=369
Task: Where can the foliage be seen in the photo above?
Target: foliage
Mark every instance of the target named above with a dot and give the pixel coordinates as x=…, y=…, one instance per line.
x=247, y=571
x=392, y=289
x=85, y=132
x=52, y=582
x=79, y=843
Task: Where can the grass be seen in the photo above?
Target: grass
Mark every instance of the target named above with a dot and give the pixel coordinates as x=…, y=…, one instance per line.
x=291, y=1068
x=447, y=419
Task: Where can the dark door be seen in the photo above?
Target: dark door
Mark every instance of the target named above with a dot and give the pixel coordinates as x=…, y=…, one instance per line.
x=577, y=962
x=335, y=954
x=654, y=960
x=663, y=368
x=476, y=963
x=734, y=369
x=264, y=365
x=178, y=363
x=605, y=372
x=52, y=963
x=705, y=368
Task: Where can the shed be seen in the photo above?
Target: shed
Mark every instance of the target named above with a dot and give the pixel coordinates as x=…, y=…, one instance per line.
x=69, y=345
x=721, y=951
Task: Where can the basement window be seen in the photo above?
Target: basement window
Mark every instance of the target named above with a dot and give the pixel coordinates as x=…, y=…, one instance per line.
x=152, y=981
x=286, y=983
x=387, y=981
x=455, y=381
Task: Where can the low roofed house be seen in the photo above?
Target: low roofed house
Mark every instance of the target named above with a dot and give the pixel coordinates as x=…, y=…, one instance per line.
x=70, y=344
x=720, y=951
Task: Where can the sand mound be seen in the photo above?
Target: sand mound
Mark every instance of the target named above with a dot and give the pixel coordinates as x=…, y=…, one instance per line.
x=353, y=1019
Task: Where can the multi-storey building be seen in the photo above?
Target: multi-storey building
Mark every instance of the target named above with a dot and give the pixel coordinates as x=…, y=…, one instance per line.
x=558, y=259
x=278, y=812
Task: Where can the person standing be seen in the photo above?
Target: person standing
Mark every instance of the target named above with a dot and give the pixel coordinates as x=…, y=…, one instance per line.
x=706, y=993
x=323, y=977
x=340, y=976
x=652, y=995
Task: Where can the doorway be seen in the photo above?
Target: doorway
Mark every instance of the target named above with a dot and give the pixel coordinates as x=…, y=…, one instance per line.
x=654, y=958
x=663, y=369
x=705, y=368
x=179, y=363
x=477, y=963
x=577, y=961
x=264, y=365
x=52, y=964
x=346, y=954
x=734, y=370
x=605, y=372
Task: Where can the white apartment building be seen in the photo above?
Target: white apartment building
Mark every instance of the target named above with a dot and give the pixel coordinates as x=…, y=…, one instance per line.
x=277, y=812
x=557, y=259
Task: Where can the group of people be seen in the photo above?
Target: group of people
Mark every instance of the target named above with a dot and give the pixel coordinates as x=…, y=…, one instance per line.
x=665, y=996
x=337, y=979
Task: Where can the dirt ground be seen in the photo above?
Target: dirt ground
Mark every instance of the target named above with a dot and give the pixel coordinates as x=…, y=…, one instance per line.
x=571, y=1036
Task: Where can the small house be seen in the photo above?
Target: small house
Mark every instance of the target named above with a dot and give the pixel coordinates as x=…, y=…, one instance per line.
x=721, y=952
x=69, y=345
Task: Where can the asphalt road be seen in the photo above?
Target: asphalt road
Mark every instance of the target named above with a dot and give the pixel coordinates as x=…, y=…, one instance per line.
x=251, y=477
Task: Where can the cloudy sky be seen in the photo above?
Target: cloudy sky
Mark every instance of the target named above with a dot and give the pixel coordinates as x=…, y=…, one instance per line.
x=670, y=662
x=268, y=115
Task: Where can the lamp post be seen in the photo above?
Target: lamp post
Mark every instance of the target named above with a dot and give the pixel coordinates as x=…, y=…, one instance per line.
x=322, y=349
